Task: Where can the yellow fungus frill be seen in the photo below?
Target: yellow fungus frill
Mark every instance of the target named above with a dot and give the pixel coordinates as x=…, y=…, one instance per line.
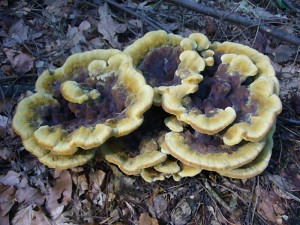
x=262, y=62
x=46, y=83
x=167, y=60
x=258, y=165
x=268, y=107
x=147, y=155
x=207, y=124
x=180, y=148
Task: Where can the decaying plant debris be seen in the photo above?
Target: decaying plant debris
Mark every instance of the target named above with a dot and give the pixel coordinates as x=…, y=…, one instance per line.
x=39, y=35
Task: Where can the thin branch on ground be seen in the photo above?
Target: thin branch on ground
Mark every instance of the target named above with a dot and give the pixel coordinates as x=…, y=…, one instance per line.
x=142, y=17
x=214, y=194
x=291, y=6
x=236, y=19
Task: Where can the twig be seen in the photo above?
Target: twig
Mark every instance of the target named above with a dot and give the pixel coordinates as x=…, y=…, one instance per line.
x=255, y=204
x=243, y=21
x=291, y=121
x=289, y=130
x=16, y=78
x=291, y=6
x=217, y=197
x=153, y=24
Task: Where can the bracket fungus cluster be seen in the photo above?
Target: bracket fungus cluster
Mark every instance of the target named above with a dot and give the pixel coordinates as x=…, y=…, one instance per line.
x=165, y=106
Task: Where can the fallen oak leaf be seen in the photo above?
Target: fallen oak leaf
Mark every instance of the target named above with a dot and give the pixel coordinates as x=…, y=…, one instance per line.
x=20, y=61
x=109, y=27
x=31, y=215
x=145, y=219
x=11, y=178
x=61, y=194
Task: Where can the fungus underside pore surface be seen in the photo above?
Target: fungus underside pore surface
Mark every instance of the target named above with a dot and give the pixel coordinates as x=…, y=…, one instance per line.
x=219, y=90
x=151, y=130
x=111, y=103
x=159, y=66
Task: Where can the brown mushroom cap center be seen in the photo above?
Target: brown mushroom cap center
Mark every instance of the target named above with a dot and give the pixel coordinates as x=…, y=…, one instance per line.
x=110, y=104
x=219, y=90
x=206, y=144
x=159, y=66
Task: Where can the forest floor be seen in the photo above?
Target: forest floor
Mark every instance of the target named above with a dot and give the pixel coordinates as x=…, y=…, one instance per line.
x=36, y=35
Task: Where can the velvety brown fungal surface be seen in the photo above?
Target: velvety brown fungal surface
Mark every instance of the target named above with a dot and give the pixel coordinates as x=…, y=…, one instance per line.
x=159, y=66
x=206, y=144
x=219, y=90
x=71, y=116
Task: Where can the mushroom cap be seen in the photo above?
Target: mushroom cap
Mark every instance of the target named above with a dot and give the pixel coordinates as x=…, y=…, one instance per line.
x=60, y=142
x=191, y=61
x=47, y=81
x=172, y=98
x=239, y=64
x=58, y=161
x=141, y=96
x=170, y=166
x=162, y=50
x=255, y=167
x=188, y=44
x=208, y=57
x=63, y=135
x=186, y=171
x=62, y=162
x=262, y=62
x=151, y=175
x=114, y=151
x=202, y=41
x=248, y=116
x=174, y=124
x=27, y=118
x=75, y=93
x=207, y=124
x=211, y=124
x=149, y=41
x=180, y=148
x=268, y=107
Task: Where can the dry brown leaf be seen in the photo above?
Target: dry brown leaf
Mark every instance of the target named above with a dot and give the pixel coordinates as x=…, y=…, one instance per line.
x=11, y=178
x=182, y=213
x=29, y=195
x=24, y=216
x=97, y=179
x=6, y=199
x=74, y=36
x=96, y=194
x=81, y=182
x=6, y=154
x=96, y=43
x=109, y=27
x=21, y=62
x=61, y=194
x=284, y=53
x=84, y=26
x=19, y=31
x=160, y=206
x=145, y=219
x=269, y=200
x=31, y=215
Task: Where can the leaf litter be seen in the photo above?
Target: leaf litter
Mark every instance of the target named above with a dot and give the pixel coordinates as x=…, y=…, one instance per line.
x=37, y=36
